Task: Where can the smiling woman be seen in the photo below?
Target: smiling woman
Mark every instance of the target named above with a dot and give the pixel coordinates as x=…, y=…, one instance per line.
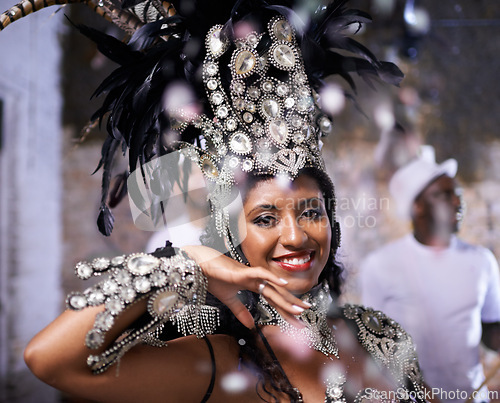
x=251, y=314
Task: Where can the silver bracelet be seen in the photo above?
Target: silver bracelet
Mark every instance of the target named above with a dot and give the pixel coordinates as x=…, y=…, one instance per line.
x=175, y=287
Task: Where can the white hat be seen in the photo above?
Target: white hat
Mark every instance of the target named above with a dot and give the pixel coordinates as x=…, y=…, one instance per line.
x=410, y=180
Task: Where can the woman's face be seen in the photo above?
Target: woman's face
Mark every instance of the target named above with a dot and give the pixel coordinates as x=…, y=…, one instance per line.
x=287, y=230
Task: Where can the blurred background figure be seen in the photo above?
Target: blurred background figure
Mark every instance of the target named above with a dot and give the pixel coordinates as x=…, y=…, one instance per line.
x=443, y=291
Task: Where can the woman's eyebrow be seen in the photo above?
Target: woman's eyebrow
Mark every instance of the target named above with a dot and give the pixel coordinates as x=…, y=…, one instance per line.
x=263, y=207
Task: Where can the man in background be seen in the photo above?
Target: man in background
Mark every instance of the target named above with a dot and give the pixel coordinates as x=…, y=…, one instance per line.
x=443, y=291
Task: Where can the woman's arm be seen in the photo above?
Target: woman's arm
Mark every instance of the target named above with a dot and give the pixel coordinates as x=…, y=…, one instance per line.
x=58, y=355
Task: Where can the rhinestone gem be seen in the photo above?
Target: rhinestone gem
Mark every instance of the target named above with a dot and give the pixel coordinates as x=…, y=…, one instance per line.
x=95, y=297
x=211, y=69
x=240, y=143
x=300, y=78
x=104, y=321
x=128, y=294
x=283, y=31
x=252, y=39
x=164, y=302
x=304, y=104
x=222, y=150
x=247, y=165
x=284, y=56
x=118, y=260
x=123, y=277
x=239, y=103
x=158, y=278
x=109, y=287
x=78, y=301
x=250, y=106
x=217, y=98
x=94, y=339
x=248, y=117
x=238, y=87
x=245, y=62
x=83, y=270
x=253, y=92
x=222, y=112
x=325, y=125
x=289, y=103
x=175, y=278
x=100, y=263
x=267, y=86
x=209, y=168
x=233, y=162
x=142, y=264
x=215, y=44
x=114, y=306
x=279, y=131
x=282, y=90
x=212, y=84
x=231, y=124
x=257, y=129
x=372, y=321
x=296, y=121
x=270, y=108
x=142, y=284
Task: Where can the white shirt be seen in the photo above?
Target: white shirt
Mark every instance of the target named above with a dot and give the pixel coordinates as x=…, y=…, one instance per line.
x=440, y=297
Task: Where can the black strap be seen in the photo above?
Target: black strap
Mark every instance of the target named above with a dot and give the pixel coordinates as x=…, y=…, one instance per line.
x=212, y=380
x=271, y=353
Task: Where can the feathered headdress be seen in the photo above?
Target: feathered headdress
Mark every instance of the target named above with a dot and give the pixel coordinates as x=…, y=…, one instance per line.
x=252, y=71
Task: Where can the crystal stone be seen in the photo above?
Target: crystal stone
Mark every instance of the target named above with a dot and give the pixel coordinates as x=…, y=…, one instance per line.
x=372, y=321
x=211, y=69
x=283, y=31
x=222, y=112
x=250, y=106
x=267, y=86
x=114, y=306
x=142, y=264
x=94, y=339
x=289, y=102
x=109, y=287
x=83, y=270
x=282, y=90
x=164, y=302
x=128, y=294
x=238, y=87
x=78, y=301
x=233, y=162
x=217, y=98
x=304, y=104
x=240, y=143
x=158, y=278
x=100, y=263
x=95, y=297
x=284, y=56
x=212, y=84
x=253, y=92
x=257, y=129
x=270, y=108
x=231, y=124
x=104, y=321
x=325, y=125
x=245, y=62
x=247, y=165
x=248, y=117
x=142, y=284
x=209, y=168
x=279, y=131
x=118, y=260
x=214, y=43
x=239, y=103
x=123, y=277
x=252, y=39
x=175, y=278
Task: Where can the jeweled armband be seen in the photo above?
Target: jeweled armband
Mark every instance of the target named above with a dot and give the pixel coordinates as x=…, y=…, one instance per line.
x=175, y=287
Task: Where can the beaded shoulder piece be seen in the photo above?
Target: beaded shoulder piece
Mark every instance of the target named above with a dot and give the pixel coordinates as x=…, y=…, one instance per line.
x=390, y=346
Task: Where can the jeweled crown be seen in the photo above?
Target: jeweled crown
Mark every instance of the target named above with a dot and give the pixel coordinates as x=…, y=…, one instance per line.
x=267, y=121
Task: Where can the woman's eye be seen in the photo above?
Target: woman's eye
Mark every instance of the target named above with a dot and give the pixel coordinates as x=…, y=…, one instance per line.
x=313, y=214
x=265, y=221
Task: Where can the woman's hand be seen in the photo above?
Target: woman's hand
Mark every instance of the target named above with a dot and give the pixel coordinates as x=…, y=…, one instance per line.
x=226, y=277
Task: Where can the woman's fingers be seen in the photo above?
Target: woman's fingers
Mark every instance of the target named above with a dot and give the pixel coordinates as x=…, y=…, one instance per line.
x=241, y=312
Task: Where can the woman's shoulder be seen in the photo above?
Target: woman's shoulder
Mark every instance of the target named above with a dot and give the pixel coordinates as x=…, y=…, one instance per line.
x=385, y=340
